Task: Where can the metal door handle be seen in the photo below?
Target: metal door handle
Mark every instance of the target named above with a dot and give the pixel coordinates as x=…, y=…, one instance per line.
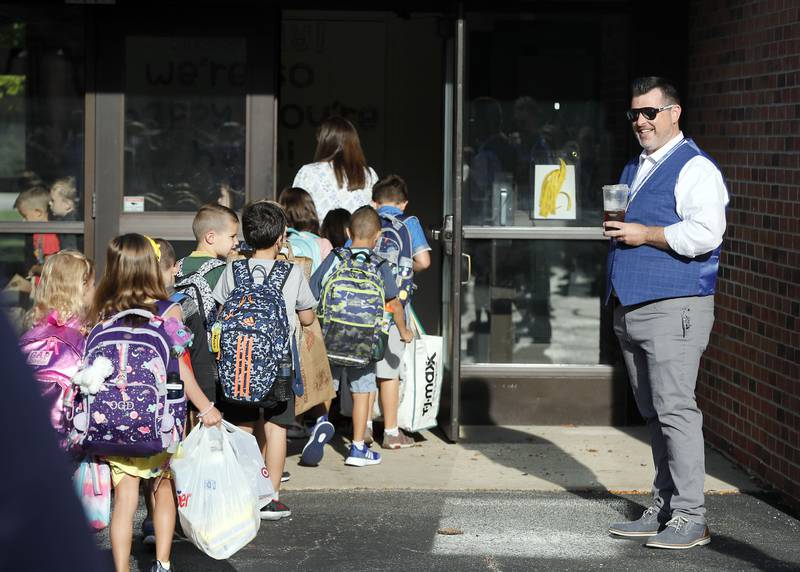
x=469, y=269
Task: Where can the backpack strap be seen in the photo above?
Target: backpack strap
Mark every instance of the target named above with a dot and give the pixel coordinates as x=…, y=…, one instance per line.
x=204, y=268
x=164, y=306
x=279, y=274
x=241, y=273
x=209, y=265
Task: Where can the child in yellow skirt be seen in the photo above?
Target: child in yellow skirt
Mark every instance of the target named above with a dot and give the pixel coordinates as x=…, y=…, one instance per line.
x=132, y=279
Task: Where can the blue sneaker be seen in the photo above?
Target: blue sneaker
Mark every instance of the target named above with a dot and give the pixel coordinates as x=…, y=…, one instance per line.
x=321, y=433
x=362, y=457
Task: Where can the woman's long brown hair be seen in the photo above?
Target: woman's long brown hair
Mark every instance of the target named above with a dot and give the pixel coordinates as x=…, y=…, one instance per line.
x=132, y=279
x=338, y=143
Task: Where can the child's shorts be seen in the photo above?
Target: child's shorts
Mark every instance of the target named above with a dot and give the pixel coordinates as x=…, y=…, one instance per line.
x=281, y=413
x=150, y=467
x=391, y=366
x=359, y=379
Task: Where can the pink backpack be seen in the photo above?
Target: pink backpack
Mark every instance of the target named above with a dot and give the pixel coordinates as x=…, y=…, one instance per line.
x=54, y=351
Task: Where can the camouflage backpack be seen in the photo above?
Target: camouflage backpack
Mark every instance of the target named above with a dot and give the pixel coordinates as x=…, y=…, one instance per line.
x=351, y=309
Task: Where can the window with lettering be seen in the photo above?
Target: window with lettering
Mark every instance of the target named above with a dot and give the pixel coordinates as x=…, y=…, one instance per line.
x=184, y=123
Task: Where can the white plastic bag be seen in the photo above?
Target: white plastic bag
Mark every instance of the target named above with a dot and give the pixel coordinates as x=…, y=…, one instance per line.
x=217, y=504
x=252, y=462
x=421, y=382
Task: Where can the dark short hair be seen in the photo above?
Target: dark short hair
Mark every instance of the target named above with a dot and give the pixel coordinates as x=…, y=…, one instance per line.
x=263, y=223
x=334, y=227
x=642, y=85
x=390, y=189
x=364, y=223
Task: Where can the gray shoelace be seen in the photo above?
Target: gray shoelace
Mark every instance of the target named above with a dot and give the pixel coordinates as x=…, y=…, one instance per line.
x=678, y=522
x=653, y=510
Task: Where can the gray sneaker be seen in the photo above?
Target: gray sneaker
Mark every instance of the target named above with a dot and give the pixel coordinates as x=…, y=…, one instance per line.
x=399, y=441
x=651, y=521
x=680, y=534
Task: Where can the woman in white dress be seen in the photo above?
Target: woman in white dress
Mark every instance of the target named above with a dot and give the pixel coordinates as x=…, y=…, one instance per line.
x=339, y=177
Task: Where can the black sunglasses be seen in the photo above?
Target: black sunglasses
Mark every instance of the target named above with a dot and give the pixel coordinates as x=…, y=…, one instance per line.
x=649, y=112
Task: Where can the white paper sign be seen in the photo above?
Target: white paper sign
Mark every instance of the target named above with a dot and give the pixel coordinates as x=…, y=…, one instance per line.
x=132, y=204
x=555, y=203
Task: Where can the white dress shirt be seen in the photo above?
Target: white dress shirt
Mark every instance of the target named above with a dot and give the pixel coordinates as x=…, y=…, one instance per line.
x=700, y=200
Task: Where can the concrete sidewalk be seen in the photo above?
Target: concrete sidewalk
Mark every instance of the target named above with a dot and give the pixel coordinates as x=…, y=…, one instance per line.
x=504, y=499
x=544, y=458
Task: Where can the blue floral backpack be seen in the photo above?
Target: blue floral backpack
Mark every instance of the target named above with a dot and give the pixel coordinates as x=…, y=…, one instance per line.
x=251, y=336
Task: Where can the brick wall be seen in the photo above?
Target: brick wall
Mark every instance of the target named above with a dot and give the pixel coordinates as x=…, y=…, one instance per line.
x=743, y=107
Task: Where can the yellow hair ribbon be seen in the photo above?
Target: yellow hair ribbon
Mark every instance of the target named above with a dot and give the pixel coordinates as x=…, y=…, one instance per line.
x=156, y=247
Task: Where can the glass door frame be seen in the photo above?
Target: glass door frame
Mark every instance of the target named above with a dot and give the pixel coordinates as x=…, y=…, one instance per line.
x=111, y=27
x=85, y=227
x=454, y=267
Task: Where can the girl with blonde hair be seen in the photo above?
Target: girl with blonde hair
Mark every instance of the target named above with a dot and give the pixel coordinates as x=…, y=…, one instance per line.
x=54, y=344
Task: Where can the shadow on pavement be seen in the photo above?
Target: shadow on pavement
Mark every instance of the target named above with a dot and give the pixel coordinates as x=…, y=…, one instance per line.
x=569, y=470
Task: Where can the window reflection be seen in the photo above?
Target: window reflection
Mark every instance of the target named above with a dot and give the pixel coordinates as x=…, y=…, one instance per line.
x=184, y=123
x=541, y=134
x=535, y=302
x=21, y=256
x=41, y=116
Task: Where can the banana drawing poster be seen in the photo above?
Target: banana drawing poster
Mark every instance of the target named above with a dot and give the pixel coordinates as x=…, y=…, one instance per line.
x=554, y=192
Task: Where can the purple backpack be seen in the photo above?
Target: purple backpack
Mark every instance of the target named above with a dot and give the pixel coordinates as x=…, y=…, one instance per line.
x=54, y=351
x=121, y=403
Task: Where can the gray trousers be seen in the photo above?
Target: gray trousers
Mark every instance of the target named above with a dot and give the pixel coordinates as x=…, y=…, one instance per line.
x=662, y=343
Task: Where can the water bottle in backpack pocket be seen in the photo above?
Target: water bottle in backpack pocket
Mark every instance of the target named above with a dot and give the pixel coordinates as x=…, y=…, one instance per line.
x=351, y=310
x=123, y=406
x=253, y=337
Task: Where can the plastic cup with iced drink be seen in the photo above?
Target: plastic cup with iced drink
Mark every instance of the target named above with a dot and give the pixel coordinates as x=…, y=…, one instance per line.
x=615, y=201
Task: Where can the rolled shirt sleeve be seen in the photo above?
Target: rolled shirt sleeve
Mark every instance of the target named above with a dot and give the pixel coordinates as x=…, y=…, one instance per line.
x=700, y=199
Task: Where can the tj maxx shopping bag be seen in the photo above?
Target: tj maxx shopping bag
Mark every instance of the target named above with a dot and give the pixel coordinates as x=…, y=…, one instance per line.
x=421, y=381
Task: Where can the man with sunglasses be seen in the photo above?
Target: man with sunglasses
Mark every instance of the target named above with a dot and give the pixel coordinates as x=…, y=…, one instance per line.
x=662, y=269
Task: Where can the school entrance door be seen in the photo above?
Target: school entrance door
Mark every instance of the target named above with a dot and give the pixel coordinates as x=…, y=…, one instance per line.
x=473, y=110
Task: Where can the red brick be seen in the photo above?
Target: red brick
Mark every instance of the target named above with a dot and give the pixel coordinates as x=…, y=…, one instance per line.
x=744, y=101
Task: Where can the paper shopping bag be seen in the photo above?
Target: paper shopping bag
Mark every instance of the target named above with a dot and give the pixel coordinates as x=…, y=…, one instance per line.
x=421, y=385
x=315, y=370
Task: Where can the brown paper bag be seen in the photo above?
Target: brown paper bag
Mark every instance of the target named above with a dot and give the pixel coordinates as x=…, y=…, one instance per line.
x=315, y=369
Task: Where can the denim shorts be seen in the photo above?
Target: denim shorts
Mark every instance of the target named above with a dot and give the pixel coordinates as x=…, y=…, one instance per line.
x=359, y=379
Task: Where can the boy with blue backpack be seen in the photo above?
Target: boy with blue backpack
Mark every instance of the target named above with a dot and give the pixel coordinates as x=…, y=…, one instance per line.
x=262, y=300
x=403, y=245
x=355, y=289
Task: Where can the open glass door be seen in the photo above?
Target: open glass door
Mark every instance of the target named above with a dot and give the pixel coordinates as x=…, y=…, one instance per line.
x=450, y=239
